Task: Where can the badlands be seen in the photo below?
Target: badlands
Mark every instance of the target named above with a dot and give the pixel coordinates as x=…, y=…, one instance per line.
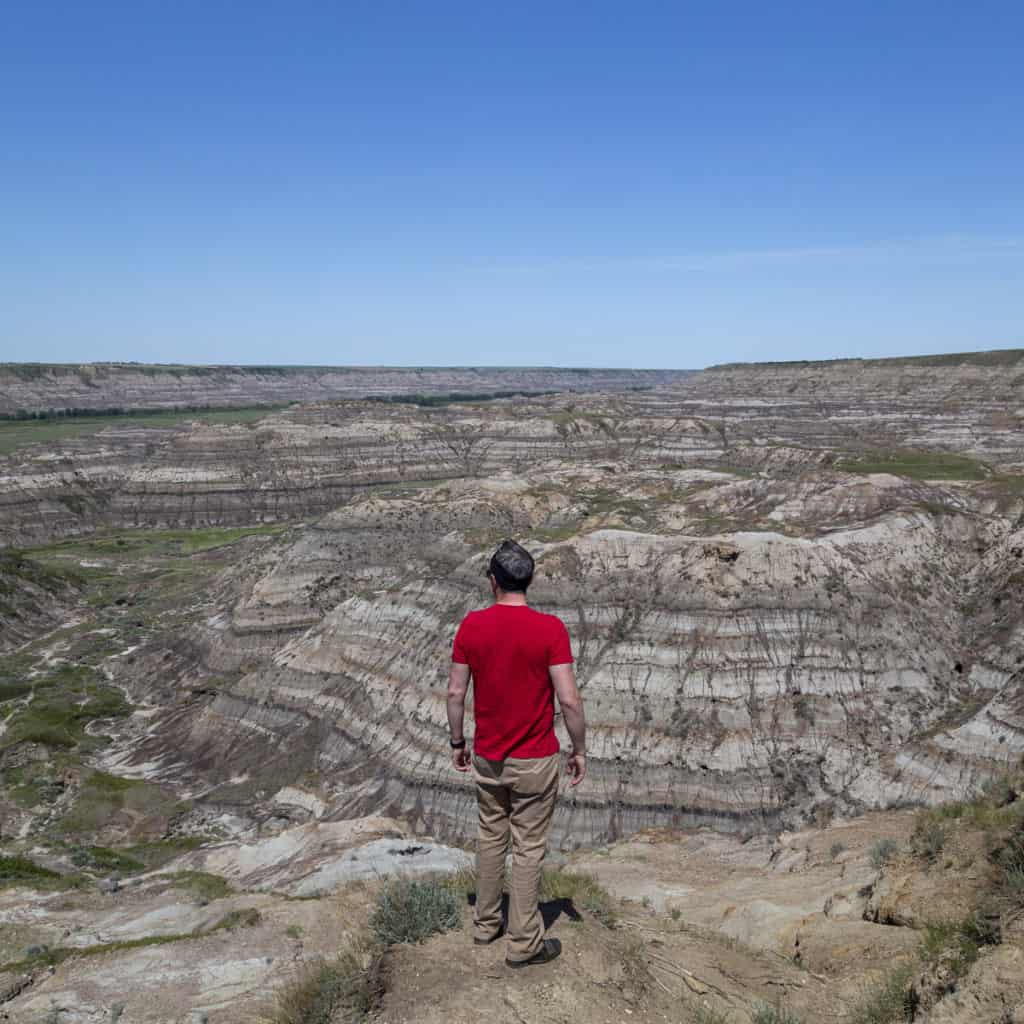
x=794, y=593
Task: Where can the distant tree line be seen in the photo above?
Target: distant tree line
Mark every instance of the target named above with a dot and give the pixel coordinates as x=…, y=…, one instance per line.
x=119, y=410
x=454, y=396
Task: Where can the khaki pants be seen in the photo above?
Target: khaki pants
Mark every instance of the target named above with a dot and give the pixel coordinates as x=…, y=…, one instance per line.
x=515, y=797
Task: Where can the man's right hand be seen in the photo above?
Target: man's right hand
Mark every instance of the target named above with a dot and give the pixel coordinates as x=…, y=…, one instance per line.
x=576, y=768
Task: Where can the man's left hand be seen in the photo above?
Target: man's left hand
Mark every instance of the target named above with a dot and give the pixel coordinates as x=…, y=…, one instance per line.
x=461, y=759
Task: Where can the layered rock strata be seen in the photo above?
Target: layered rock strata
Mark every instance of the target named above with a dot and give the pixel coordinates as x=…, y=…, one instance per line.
x=793, y=591
x=42, y=387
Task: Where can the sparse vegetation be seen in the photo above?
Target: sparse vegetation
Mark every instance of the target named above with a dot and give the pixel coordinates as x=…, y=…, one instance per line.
x=774, y=1015
x=585, y=892
x=929, y=838
x=411, y=910
x=246, y=917
x=345, y=990
x=882, y=851
x=1008, y=860
x=957, y=943
x=202, y=884
x=65, y=702
x=835, y=850
x=709, y=1015
x=888, y=1001
x=102, y=858
x=19, y=432
x=22, y=871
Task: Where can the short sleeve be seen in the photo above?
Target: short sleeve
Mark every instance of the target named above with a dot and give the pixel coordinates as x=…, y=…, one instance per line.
x=559, y=649
x=460, y=653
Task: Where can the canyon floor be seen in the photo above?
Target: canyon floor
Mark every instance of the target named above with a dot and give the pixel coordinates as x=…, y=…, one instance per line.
x=794, y=593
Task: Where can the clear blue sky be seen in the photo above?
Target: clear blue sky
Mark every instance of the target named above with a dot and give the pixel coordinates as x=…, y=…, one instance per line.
x=586, y=183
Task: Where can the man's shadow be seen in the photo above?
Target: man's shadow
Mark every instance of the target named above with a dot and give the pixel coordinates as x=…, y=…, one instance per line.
x=550, y=910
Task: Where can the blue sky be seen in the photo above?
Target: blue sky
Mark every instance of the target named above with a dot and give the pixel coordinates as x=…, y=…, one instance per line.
x=596, y=184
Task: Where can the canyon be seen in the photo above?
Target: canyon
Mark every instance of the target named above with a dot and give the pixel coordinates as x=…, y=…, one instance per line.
x=793, y=590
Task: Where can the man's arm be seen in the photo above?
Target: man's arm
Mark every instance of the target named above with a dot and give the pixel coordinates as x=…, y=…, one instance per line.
x=563, y=678
x=458, y=685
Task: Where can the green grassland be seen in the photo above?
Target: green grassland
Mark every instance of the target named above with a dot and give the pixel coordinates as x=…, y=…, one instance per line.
x=137, y=585
x=17, y=434
x=147, y=544
x=916, y=465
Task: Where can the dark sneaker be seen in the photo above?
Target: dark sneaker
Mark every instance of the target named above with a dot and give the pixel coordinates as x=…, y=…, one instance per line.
x=549, y=950
x=494, y=938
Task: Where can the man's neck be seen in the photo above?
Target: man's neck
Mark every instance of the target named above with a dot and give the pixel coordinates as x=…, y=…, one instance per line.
x=504, y=597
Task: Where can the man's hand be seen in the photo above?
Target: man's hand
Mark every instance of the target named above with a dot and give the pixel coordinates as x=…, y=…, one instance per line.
x=576, y=768
x=461, y=760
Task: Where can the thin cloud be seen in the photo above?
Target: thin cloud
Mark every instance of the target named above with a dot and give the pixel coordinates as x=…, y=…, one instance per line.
x=948, y=246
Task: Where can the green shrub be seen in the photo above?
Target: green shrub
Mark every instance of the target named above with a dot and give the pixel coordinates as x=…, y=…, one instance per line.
x=1009, y=862
x=341, y=991
x=585, y=892
x=889, y=1001
x=882, y=851
x=955, y=942
x=928, y=839
x=411, y=910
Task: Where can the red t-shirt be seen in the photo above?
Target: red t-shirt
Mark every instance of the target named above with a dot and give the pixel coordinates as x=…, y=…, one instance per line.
x=509, y=648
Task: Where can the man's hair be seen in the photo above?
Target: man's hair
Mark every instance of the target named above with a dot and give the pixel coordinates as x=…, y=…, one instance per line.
x=511, y=566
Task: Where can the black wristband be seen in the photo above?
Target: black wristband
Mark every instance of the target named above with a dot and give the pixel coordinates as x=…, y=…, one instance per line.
x=459, y=745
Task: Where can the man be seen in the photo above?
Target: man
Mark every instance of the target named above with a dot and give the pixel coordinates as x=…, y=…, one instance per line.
x=518, y=659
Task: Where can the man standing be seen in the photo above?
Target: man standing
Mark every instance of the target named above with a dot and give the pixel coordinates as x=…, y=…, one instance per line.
x=518, y=659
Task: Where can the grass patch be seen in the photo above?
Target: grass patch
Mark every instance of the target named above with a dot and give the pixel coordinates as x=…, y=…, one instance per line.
x=65, y=702
x=11, y=691
x=411, y=910
x=916, y=465
x=1008, y=859
x=18, y=870
x=958, y=943
x=21, y=871
x=585, y=892
x=103, y=858
x=159, y=852
x=889, y=1001
x=202, y=884
x=928, y=839
x=17, y=434
x=345, y=990
x=995, y=807
x=135, y=544
x=882, y=851
x=462, y=883
x=102, y=796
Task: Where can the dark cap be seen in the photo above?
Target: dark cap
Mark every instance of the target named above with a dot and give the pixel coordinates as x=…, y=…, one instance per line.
x=511, y=566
